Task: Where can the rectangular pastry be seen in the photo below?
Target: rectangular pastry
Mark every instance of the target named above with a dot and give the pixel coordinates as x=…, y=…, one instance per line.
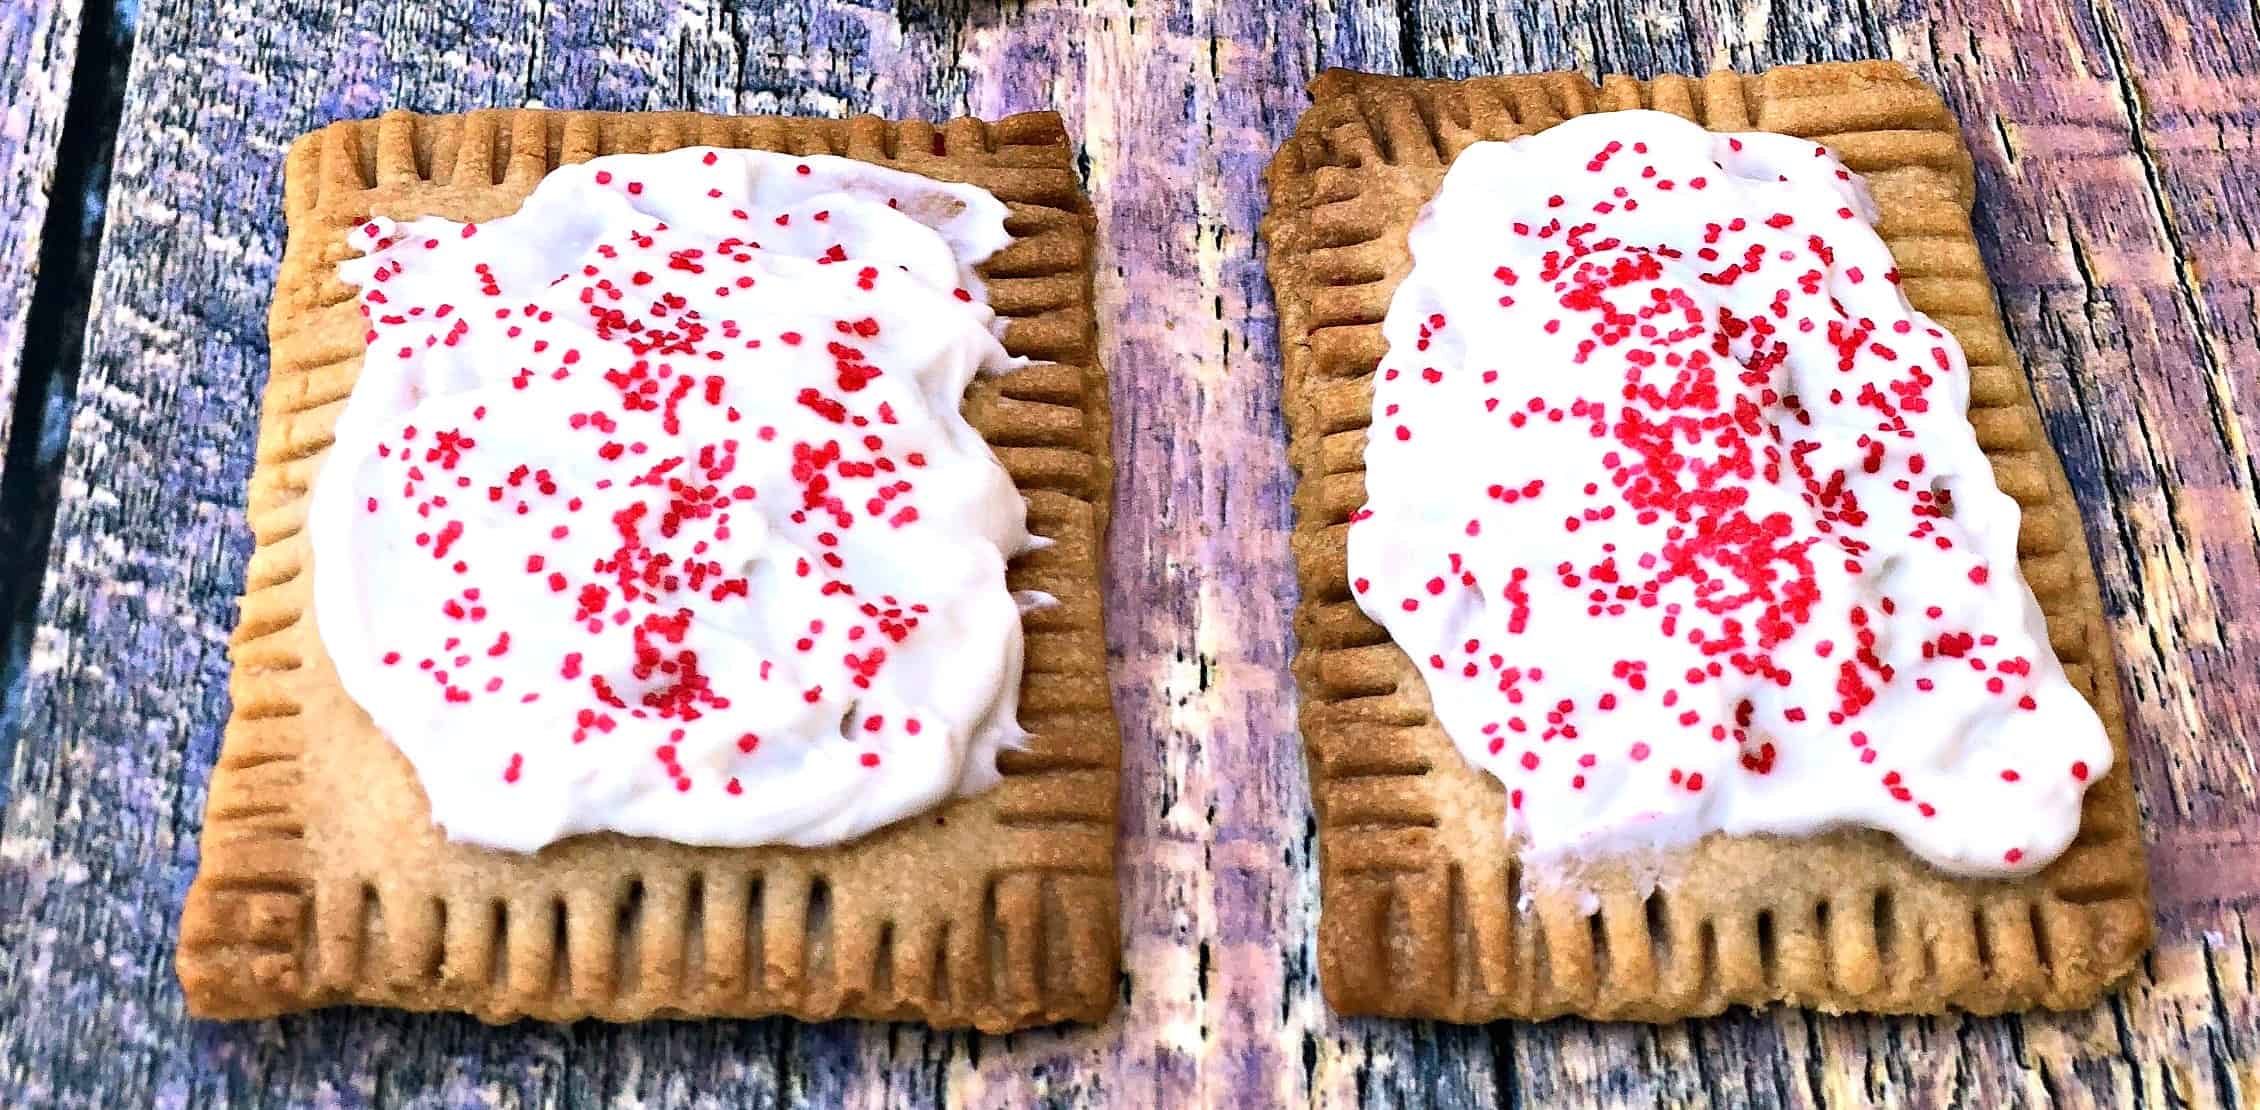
x=676, y=589
x=1663, y=641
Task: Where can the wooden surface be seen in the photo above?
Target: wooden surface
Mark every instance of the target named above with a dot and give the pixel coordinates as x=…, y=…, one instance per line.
x=2119, y=218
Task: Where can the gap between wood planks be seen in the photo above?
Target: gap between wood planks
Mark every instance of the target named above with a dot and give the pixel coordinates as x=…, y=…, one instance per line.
x=54, y=338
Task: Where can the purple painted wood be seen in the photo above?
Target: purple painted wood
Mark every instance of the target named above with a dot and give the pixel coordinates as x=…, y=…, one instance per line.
x=2108, y=147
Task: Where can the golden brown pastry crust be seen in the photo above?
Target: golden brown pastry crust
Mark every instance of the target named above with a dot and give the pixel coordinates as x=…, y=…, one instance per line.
x=322, y=879
x=1425, y=911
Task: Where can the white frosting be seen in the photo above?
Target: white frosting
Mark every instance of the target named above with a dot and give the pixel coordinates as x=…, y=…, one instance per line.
x=685, y=427
x=1655, y=481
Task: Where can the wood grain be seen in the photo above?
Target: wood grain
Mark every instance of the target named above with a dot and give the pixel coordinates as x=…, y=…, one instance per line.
x=2117, y=219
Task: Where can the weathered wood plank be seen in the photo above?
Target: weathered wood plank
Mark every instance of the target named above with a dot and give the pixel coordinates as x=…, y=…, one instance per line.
x=2099, y=135
x=127, y=714
x=38, y=42
x=2121, y=235
x=128, y=671
x=2123, y=244
x=1178, y=111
